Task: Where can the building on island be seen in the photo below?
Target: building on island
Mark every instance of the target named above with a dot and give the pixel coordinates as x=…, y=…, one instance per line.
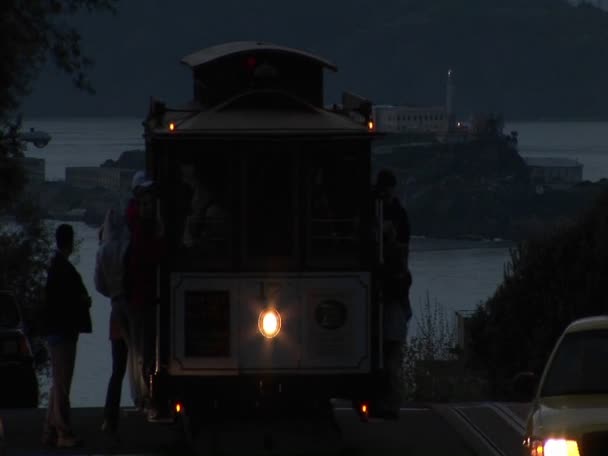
x=87, y=177
x=436, y=120
x=410, y=119
x=555, y=173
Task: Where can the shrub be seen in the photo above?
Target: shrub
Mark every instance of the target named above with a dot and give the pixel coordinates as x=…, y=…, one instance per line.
x=25, y=247
x=551, y=280
x=434, y=341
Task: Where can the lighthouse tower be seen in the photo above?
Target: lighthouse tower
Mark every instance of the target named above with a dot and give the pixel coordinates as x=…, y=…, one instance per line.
x=449, y=99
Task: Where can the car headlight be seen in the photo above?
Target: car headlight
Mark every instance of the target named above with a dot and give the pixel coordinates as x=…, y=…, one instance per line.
x=553, y=447
x=269, y=323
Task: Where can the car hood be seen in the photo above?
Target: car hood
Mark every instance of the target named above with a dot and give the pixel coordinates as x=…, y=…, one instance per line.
x=568, y=416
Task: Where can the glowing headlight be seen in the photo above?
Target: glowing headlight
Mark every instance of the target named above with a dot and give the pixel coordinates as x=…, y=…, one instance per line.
x=269, y=323
x=561, y=447
x=554, y=447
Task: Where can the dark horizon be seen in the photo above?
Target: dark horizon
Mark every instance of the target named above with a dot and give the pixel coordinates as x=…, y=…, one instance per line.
x=406, y=51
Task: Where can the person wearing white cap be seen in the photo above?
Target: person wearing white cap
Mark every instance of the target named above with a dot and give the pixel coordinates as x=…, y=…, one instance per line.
x=140, y=181
x=140, y=184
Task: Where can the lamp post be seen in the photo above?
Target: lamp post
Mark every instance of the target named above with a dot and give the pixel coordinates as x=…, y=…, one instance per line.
x=37, y=137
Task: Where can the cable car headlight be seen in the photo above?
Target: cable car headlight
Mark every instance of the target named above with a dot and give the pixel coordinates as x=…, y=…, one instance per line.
x=552, y=447
x=269, y=323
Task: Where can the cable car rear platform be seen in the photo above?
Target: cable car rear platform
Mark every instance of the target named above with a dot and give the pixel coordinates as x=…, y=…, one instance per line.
x=468, y=429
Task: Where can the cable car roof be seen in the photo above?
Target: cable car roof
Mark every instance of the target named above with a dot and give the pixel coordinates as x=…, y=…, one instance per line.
x=275, y=122
x=213, y=53
x=236, y=122
x=233, y=119
x=254, y=112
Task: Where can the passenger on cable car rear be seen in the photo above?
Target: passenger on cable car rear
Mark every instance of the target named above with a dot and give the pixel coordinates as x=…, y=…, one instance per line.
x=143, y=256
x=200, y=206
x=396, y=280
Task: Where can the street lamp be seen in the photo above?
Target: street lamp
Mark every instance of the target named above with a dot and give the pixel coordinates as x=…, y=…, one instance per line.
x=37, y=137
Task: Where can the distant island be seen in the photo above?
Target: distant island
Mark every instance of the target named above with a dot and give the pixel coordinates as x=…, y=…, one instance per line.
x=481, y=188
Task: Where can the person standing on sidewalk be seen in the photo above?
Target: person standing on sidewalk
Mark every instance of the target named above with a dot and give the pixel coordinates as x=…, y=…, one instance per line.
x=109, y=281
x=65, y=316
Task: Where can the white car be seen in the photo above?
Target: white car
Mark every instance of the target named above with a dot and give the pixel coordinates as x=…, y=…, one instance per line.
x=569, y=415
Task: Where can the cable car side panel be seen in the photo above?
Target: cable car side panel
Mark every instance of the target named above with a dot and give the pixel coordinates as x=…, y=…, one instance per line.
x=324, y=324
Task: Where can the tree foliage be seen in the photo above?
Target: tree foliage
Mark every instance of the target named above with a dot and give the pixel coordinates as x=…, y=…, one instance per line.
x=551, y=280
x=12, y=176
x=25, y=247
x=31, y=32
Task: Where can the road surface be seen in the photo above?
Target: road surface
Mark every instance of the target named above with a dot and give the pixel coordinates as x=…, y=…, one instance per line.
x=469, y=429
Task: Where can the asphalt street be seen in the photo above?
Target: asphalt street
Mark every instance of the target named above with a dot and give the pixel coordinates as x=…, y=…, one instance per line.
x=475, y=429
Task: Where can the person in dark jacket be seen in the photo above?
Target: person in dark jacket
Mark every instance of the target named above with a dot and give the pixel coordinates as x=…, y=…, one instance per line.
x=395, y=282
x=66, y=315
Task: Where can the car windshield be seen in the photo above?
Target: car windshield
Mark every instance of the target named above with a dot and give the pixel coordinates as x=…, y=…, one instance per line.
x=580, y=365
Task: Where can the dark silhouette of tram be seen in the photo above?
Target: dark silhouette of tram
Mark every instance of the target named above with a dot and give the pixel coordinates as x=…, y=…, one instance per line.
x=265, y=295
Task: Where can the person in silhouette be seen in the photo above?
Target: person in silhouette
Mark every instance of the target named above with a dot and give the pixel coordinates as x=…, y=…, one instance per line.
x=66, y=315
x=142, y=258
x=395, y=282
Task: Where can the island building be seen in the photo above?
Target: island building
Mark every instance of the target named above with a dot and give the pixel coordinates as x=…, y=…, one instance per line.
x=410, y=119
x=437, y=120
x=554, y=173
x=87, y=177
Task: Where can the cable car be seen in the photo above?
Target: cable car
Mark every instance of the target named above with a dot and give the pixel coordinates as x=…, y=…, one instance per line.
x=265, y=295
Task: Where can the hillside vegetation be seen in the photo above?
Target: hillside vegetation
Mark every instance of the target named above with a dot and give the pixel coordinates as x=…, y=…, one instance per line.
x=552, y=280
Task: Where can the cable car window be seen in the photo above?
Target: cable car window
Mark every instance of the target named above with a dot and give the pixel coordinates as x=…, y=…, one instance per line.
x=207, y=323
x=202, y=219
x=269, y=205
x=337, y=180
